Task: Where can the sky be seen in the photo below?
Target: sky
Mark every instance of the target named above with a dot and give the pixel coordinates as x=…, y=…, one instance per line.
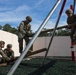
x=14, y=11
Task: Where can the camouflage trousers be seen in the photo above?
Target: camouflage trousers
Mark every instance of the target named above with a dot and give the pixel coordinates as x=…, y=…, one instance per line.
x=20, y=40
x=73, y=33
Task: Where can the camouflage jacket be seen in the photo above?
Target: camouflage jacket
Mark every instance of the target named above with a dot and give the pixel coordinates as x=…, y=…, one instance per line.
x=9, y=54
x=71, y=20
x=0, y=48
x=23, y=29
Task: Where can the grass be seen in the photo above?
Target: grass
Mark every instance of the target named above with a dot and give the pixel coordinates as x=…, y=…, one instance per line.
x=51, y=67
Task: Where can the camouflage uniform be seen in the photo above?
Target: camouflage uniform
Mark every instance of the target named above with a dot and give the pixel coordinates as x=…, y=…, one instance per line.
x=24, y=32
x=9, y=52
x=2, y=53
x=72, y=22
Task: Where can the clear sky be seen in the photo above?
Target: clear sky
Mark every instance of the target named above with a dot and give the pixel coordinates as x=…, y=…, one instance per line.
x=14, y=11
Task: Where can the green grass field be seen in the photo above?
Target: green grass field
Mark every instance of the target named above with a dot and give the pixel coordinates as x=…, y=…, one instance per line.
x=51, y=67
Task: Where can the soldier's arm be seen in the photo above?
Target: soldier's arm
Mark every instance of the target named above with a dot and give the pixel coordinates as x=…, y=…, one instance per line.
x=68, y=26
x=73, y=24
x=4, y=55
x=12, y=55
x=29, y=30
x=22, y=28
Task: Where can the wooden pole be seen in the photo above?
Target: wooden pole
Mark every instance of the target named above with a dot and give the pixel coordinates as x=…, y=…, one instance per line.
x=72, y=43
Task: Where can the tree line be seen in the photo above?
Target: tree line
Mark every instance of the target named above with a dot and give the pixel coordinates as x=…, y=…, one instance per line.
x=9, y=28
x=60, y=32
x=14, y=30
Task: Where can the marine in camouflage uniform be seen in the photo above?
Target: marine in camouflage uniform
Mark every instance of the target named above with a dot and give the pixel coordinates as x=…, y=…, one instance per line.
x=9, y=52
x=71, y=21
x=24, y=32
x=4, y=56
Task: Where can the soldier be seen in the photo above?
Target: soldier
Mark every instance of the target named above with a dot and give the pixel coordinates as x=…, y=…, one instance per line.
x=71, y=21
x=9, y=52
x=23, y=32
x=4, y=56
x=2, y=43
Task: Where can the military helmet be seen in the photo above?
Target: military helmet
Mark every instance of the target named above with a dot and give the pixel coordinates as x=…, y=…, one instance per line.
x=29, y=18
x=2, y=42
x=69, y=11
x=9, y=45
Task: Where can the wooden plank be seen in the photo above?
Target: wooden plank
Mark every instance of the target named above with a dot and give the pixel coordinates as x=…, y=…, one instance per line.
x=49, y=30
x=35, y=52
x=32, y=53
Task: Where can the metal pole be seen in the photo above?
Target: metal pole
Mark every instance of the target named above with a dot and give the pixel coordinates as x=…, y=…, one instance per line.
x=54, y=31
x=12, y=70
x=74, y=5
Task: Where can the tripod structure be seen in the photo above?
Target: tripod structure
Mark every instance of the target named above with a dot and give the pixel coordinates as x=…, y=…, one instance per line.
x=14, y=67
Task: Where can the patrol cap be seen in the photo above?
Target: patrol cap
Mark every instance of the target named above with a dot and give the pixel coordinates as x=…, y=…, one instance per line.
x=9, y=45
x=29, y=18
x=69, y=11
x=2, y=42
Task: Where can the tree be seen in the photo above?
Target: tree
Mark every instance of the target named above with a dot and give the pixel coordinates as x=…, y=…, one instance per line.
x=62, y=32
x=7, y=27
x=14, y=31
x=0, y=27
x=44, y=34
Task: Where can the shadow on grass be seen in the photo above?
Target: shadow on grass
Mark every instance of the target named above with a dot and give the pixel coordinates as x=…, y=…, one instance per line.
x=31, y=65
x=42, y=69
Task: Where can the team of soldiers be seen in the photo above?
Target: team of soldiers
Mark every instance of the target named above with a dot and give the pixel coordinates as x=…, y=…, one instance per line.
x=7, y=54
x=24, y=31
